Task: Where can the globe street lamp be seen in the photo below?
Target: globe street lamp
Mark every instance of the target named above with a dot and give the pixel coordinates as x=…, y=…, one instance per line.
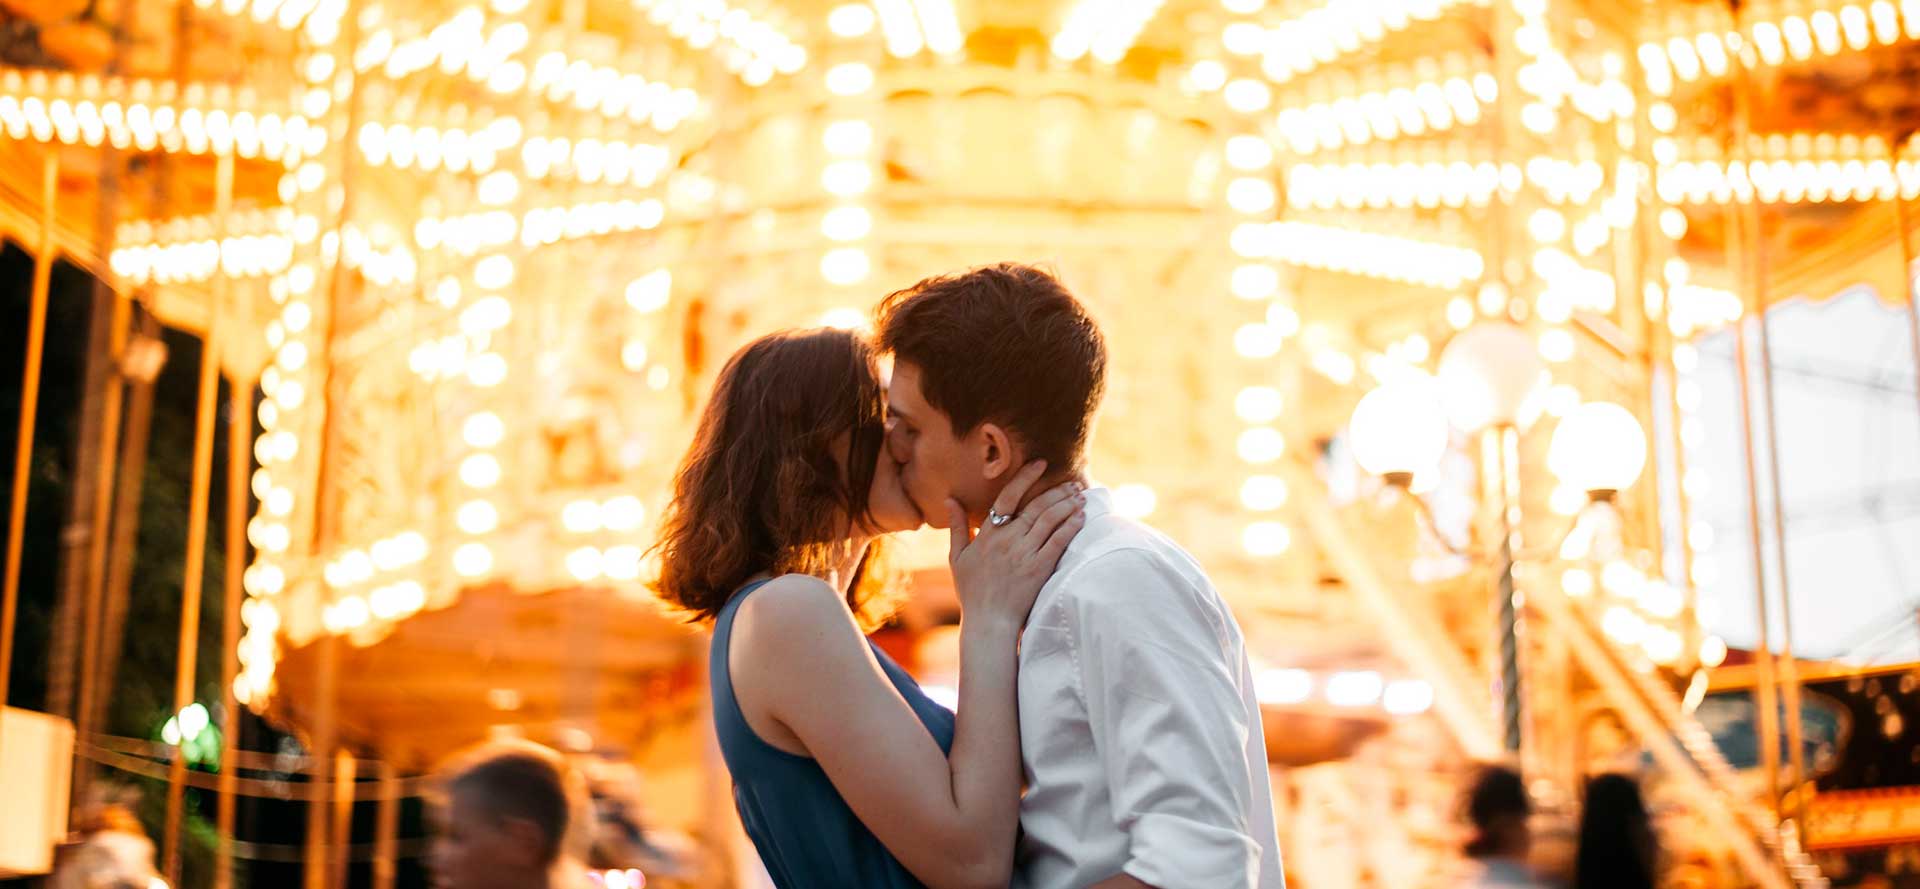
x=1598, y=448
x=1491, y=384
x=1399, y=430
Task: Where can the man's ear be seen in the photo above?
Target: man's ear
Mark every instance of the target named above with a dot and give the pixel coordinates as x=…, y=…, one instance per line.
x=526, y=842
x=1001, y=456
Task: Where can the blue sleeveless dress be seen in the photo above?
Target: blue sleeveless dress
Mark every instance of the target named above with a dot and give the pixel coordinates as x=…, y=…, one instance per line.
x=807, y=836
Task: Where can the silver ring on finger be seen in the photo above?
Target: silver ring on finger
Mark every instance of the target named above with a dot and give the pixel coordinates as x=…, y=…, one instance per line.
x=996, y=518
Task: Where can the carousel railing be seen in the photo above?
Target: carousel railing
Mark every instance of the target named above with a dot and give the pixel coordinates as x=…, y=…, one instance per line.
x=1766, y=848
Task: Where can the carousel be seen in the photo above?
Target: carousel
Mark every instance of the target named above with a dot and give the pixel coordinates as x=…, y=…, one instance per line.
x=1407, y=301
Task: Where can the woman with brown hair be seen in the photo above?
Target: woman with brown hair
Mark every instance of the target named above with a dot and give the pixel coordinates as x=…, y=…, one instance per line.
x=845, y=772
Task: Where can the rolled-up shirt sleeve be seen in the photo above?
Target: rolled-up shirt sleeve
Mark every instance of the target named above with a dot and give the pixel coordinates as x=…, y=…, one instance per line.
x=1169, y=721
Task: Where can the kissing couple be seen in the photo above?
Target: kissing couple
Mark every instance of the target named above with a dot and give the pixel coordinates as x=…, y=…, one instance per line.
x=1100, y=670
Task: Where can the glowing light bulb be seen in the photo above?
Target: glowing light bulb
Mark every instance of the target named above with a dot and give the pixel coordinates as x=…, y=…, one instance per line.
x=472, y=559
x=1255, y=281
x=483, y=429
x=477, y=517
x=1263, y=493
x=849, y=78
x=651, y=291
x=1257, y=340
x=1266, y=539
x=487, y=370
x=633, y=354
x=1258, y=404
x=584, y=563
x=851, y=20
x=1399, y=430
x=480, y=471
x=846, y=223
x=1250, y=195
x=847, y=178
x=1247, y=96
x=622, y=513
x=1261, y=445
x=845, y=266
x=1249, y=152
x=493, y=272
x=581, y=517
x=1556, y=345
x=847, y=138
x=844, y=318
x=1134, y=501
x=1207, y=75
x=1460, y=313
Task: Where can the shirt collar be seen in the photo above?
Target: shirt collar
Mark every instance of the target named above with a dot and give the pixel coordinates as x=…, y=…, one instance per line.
x=1099, y=500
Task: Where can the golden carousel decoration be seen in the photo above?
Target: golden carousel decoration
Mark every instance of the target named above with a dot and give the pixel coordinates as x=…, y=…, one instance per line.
x=472, y=263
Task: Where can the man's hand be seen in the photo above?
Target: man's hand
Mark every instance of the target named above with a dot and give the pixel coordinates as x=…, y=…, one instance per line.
x=1120, y=881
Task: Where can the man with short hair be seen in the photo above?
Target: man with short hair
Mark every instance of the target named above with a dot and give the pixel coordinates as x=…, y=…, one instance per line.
x=1140, y=734
x=504, y=817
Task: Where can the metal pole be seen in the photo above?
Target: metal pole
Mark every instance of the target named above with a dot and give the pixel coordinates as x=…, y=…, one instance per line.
x=321, y=751
x=104, y=475
x=386, y=827
x=29, y=412
x=1504, y=439
x=136, y=433
x=188, y=660
x=1747, y=224
x=1789, y=669
x=239, y=463
x=1906, y=286
x=342, y=832
x=98, y=430
x=1763, y=654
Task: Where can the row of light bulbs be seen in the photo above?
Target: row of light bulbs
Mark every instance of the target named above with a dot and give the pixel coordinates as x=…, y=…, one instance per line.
x=1343, y=688
x=1795, y=146
x=750, y=46
x=1415, y=109
x=318, y=19
x=1321, y=33
x=65, y=111
x=469, y=234
x=429, y=148
x=159, y=232
x=1258, y=406
x=239, y=256
x=1331, y=248
x=463, y=44
x=49, y=86
x=1695, y=50
x=1457, y=183
x=587, y=159
x=613, y=92
x=1700, y=182
x=847, y=176
x=1405, y=184
x=1702, y=571
x=288, y=378
x=483, y=432
x=906, y=26
x=1103, y=29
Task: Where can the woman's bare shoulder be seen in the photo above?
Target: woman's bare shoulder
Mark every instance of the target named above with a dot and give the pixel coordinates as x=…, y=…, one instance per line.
x=794, y=610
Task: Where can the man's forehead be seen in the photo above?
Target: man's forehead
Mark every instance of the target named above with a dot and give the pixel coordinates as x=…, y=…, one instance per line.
x=903, y=390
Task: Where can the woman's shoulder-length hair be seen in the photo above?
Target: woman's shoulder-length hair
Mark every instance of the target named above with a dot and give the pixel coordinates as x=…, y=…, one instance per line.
x=762, y=488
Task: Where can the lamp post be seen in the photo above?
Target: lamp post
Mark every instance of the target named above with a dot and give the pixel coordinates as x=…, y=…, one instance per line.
x=1491, y=376
x=1489, y=386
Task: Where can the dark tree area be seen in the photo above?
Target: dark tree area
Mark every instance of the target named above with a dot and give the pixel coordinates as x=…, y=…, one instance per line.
x=140, y=698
